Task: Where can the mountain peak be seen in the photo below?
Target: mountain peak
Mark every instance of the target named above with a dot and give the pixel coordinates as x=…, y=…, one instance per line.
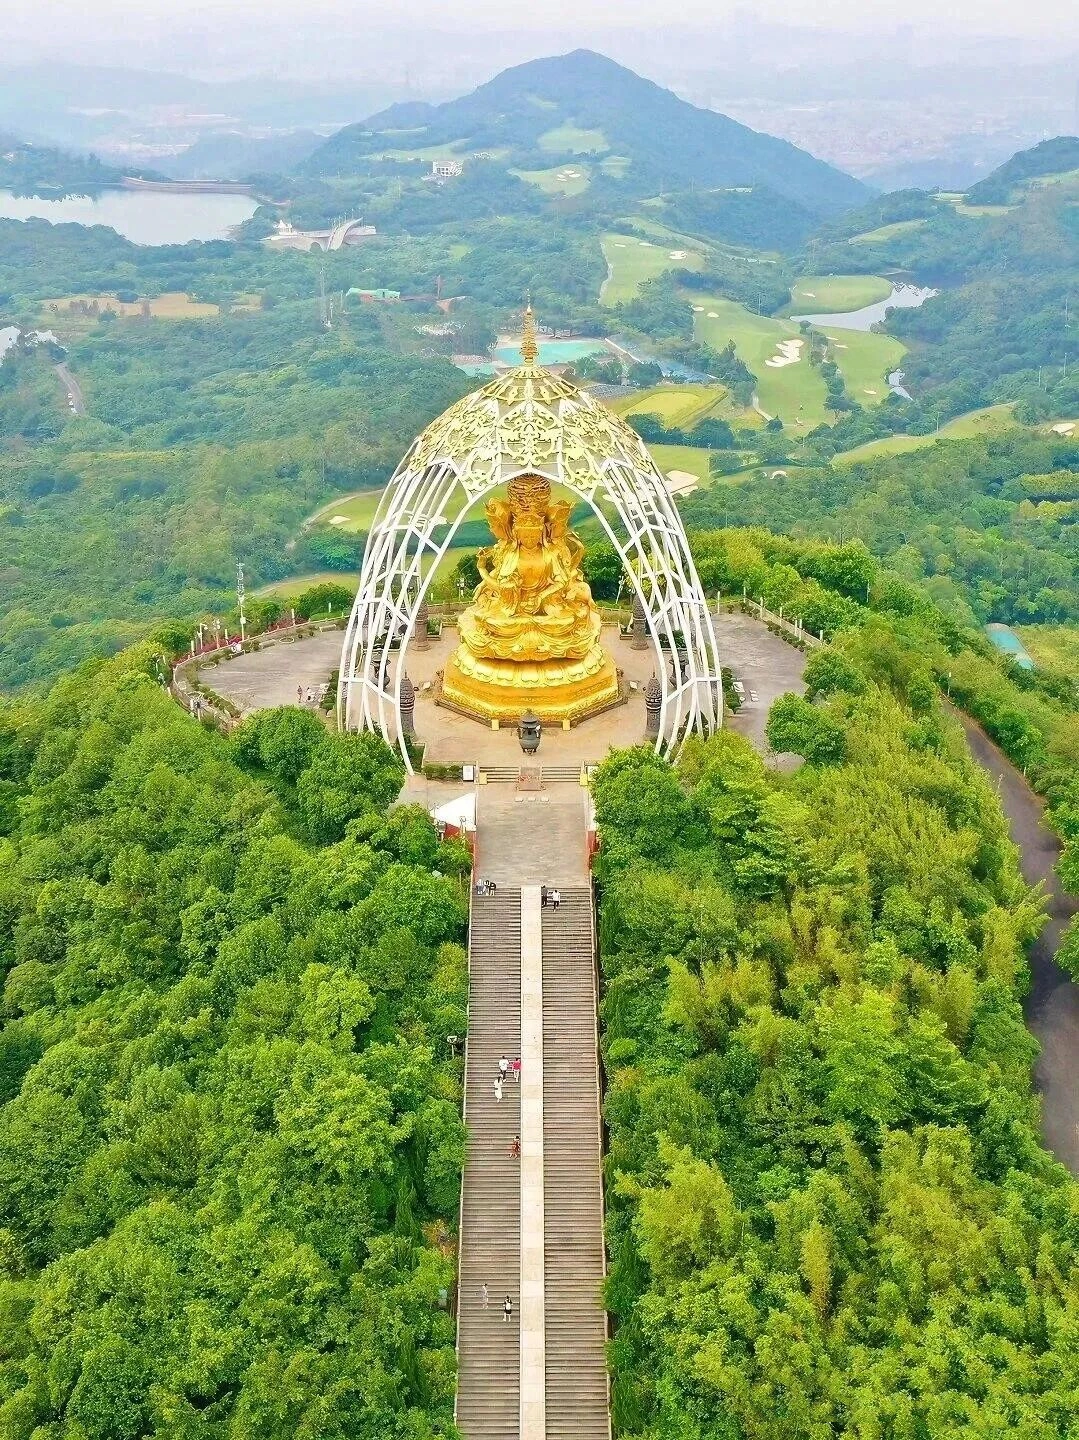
x=554, y=109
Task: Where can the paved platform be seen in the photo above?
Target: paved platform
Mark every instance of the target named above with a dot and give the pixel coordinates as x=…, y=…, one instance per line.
x=532, y=837
x=264, y=678
x=451, y=738
x=766, y=665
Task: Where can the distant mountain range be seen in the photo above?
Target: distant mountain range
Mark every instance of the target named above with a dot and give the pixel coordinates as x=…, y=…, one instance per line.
x=635, y=137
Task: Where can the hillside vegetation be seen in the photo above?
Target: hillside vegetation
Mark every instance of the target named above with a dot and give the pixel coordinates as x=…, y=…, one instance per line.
x=1051, y=157
x=830, y=1213
x=582, y=103
x=230, y=1137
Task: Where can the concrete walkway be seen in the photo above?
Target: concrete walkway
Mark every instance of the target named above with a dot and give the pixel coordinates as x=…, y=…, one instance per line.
x=263, y=678
x=532, y=992
x=533, y=1333
x=766, y=665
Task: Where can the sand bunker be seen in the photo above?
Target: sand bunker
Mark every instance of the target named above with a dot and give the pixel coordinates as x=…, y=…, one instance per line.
x=681, y=482
x=790, y=352
x=698, y=309
x=338, y=519
x=713, y=314
x=1066, y=427
x=678, y=254
x=619, y=244
x=870, y=392
x=647, y=244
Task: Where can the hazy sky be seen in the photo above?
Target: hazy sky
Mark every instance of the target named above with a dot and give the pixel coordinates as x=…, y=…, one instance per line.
x=91, y=29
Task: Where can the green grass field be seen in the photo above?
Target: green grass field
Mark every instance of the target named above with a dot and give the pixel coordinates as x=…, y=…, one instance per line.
x=829, y=294
x=572, y=140
x=559, y=180
x=676, y=405
x=865, y=359
x=885, y=232
x=796, y=392
x=288, y=590
x=358, y=510
x=688, y=458
x=632, y=262
x=793, y=392
x=1054, y=646
x=988, y=421
x=684, y=405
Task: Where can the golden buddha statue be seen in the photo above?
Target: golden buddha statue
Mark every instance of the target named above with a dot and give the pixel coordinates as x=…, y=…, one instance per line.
x=530, y=639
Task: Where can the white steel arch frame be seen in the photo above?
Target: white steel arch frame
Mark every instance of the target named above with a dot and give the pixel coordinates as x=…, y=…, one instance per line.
x=527, y=422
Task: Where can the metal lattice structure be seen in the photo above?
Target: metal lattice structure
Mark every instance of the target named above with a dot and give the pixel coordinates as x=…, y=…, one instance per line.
x=527, y=422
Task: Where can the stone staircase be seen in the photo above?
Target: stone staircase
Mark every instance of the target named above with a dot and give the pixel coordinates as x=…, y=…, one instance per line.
x=577, y=1393
x=488, y=1388
x=548, y=774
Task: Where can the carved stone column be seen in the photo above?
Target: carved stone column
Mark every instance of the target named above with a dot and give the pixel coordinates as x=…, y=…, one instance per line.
x=408, y=706
x=653, y=701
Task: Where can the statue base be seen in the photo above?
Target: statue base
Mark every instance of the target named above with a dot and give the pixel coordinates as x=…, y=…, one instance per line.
x=554, y=690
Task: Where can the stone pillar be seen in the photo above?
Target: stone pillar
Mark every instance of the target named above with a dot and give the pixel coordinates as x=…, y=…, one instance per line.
x=653, y=700
x=420, y=639
x=639, y=627
x=408, y=706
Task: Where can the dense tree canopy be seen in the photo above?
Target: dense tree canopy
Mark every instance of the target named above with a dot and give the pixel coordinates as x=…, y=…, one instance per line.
x=829, y=1211
x=230, y=1142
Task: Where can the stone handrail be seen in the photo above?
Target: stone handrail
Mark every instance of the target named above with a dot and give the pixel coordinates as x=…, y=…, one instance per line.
x=792, y=630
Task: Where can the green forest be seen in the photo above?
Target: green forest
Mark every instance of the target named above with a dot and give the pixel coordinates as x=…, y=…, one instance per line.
x=830, y=1213
x=231, y=1134
x=987, y=525
x=230, y=1137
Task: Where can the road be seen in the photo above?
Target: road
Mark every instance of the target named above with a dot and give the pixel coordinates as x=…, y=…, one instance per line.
x=1052, y=1007
x=75, y=398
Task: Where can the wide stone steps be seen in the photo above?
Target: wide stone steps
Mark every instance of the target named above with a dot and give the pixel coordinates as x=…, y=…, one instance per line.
x=577, y=1392
x=488, y=1393
x=544, y=774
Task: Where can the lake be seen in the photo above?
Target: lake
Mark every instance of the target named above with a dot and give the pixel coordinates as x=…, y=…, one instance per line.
x=10, y=333
x=146, y=217
x=903, y=297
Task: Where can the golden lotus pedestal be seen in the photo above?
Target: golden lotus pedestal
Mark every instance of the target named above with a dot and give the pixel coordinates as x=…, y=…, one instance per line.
x=555, y=690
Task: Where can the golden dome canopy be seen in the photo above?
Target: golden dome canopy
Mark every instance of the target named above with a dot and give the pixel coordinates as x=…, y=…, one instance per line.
x=529, y=421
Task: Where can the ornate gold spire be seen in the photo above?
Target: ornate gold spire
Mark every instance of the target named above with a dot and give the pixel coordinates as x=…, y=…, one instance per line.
x=529, y=347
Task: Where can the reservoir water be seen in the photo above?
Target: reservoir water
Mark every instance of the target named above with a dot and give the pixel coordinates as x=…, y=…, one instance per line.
x=9, y=334
x=151, y=217
x=903, y=297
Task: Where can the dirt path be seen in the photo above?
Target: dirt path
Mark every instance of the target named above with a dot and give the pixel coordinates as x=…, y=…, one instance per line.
x=1052, y=1007
x=75, y=398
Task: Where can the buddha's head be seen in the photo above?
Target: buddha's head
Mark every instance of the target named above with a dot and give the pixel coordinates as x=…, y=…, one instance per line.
x=529, y=495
